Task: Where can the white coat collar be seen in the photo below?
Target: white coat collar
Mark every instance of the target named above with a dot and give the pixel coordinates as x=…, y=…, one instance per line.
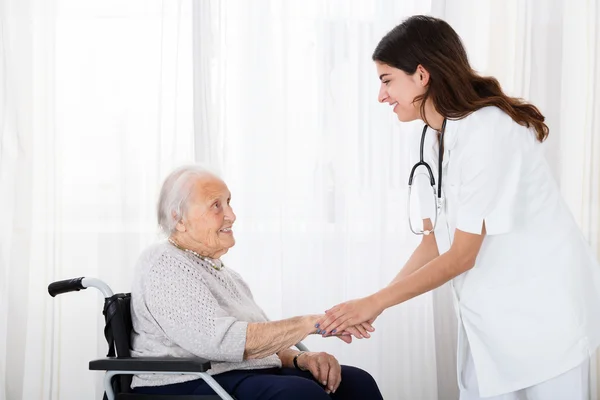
x=450, y=138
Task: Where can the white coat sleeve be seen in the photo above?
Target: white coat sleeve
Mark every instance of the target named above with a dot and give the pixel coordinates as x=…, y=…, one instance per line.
x=490, y=175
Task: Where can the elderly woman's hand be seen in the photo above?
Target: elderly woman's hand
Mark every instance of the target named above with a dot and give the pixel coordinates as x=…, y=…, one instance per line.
x=324, y=367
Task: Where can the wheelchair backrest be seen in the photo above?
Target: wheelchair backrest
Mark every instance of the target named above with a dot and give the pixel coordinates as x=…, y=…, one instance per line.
x=117, y=331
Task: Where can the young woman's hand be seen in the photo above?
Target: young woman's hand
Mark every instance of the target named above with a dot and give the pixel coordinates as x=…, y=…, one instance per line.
x=349, y=314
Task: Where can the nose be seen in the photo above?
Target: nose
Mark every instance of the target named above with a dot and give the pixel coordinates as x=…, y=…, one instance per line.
x=383, y=96
x=229, y=214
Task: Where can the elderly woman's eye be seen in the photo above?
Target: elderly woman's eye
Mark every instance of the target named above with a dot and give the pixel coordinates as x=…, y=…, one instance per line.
x=217, y=205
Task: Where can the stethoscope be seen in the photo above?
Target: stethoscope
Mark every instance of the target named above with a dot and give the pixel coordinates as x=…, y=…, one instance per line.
x=437, y=193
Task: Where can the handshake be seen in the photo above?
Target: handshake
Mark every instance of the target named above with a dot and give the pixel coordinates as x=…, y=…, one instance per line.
x=346, y=320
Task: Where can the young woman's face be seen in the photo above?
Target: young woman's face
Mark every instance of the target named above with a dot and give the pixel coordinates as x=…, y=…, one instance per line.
x=399, y=90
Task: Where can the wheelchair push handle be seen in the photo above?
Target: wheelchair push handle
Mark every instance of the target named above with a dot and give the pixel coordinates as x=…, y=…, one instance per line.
x=77, y=284
x=68, y=285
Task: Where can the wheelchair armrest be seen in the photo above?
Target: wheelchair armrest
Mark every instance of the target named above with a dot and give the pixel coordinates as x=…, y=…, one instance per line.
x=300, y=346
x=154, y=364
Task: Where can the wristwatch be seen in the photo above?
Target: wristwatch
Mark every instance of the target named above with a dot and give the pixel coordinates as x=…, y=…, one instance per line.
x=296, y=360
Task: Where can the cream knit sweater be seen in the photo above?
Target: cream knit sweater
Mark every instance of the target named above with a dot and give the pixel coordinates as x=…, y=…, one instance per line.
x=182, y=307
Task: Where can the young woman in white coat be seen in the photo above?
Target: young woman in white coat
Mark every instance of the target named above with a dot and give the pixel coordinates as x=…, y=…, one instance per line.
x=524, y=281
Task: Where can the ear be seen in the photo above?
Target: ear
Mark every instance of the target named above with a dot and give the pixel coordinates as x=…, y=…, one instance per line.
x=422, y=76
x=180, y=225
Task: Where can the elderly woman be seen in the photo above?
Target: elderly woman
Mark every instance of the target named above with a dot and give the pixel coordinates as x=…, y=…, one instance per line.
x=185, y=303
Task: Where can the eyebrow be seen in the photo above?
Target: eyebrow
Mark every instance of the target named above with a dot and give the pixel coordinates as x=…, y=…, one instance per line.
x=382, y=75
x=217, y=197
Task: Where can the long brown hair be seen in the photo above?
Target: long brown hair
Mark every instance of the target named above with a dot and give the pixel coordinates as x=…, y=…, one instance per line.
x=454, y=88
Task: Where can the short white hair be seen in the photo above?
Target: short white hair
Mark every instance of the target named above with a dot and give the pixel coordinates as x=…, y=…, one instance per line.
x=175, y=192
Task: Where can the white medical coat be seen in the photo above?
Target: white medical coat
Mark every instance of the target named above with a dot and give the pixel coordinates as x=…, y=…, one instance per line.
x=530, y=307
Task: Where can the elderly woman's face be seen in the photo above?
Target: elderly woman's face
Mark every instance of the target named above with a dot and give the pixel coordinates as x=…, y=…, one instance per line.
x=206, y=226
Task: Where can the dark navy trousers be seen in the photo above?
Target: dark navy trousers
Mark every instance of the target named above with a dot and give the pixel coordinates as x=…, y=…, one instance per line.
x=277, y=384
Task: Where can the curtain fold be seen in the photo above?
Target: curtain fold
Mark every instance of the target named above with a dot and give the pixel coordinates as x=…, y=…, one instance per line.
x=318, y=168
x=95, y=108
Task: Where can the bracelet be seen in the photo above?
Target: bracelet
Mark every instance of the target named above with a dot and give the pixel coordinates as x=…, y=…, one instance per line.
x=296, y=360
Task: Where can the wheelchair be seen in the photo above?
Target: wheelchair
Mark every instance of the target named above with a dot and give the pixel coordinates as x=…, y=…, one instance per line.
x=119, y=365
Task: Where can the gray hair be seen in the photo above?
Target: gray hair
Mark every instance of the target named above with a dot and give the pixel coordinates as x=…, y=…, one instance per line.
x=174, y=194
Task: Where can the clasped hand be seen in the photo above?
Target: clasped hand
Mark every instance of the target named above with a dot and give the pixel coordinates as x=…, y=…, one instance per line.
x=352, y=318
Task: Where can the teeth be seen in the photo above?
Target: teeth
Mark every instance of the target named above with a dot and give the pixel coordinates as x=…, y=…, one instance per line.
x=226, y=230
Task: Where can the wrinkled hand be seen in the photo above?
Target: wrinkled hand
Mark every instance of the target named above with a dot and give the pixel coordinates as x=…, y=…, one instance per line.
x=344, y=336
x=324, y=367
x=359, y=331
x=349, y=314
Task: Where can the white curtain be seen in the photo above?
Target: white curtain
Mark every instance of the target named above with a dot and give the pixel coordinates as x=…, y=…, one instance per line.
x=98, y=100
x=95, y=108
x=318, y=168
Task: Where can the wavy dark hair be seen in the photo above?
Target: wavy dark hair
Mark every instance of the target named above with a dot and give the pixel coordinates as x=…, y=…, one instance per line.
x=454, y=88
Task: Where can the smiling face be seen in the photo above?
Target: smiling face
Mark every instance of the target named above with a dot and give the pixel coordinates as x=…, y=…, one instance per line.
x=400, y=90
x=206, y=226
